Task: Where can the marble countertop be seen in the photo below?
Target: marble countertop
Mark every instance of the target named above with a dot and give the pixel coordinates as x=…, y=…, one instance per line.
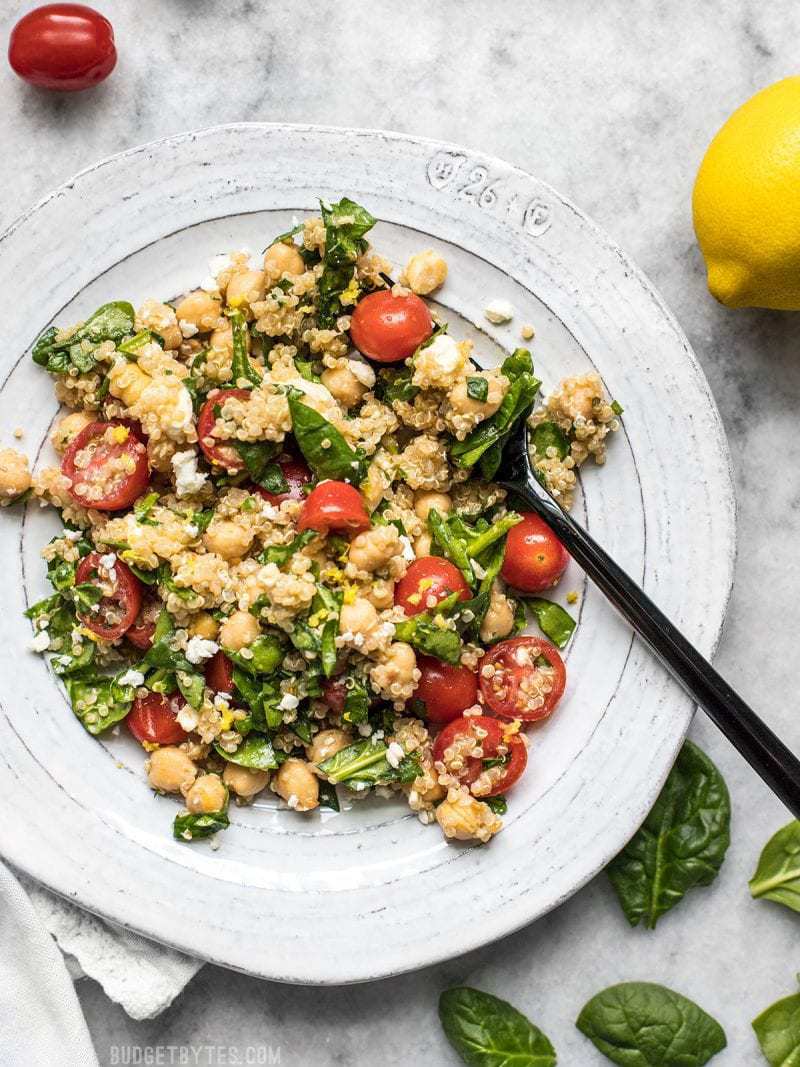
x=614, y=107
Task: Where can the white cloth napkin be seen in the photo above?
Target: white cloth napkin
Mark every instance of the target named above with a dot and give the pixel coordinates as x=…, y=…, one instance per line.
x=141, y=976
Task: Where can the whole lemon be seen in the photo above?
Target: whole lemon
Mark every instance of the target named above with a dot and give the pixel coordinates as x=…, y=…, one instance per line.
x=746, y=202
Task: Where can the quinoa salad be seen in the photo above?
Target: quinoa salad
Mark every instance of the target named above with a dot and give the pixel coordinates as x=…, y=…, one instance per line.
x=284, y=564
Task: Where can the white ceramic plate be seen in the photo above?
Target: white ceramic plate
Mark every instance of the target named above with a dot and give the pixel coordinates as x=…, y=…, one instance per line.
x=337, y=898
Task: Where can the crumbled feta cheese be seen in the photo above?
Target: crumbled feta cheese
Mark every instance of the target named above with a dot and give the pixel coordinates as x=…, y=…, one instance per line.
x=408, y=549
x=188, y=329
x=108, y=560
x=222, y=701
x=40, y=642
x=209, y=284
x=364, y=729
x=217, y=264
x=499, y=311
x=188, y=479
x=288, y=702
x=199, y=649
x=439, y=364
x=192, y=530
x=131, y=677
x=395, y=754
x=363, y=372
x=72, y=535
x=187, y=718
x=478, y=570
x=292, y=800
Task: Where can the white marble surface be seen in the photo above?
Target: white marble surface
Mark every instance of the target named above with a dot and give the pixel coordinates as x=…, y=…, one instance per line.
x=614, y=107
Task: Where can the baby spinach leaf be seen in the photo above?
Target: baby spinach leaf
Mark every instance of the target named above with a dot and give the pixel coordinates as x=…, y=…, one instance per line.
x=99, y=701
x=328, y=797
x=142, y=508
x=639, y=1024
x=241, y=367
x=777, y=876
x=489, y=1032
x=255, y=752
x=498, y=804
x=424, y=632
x=450, y=544
x=549, y=435
x=681, y=844
x=356, y=701
x=266, y=657
x=553, y=620
x=192, y=686
x=190, y=827
x=477, y=388
x=365, y=761
x=111, y=322
x=132, y=346
x=345, y=226
x=281, y=554
x=257, y=457
x=324, y=448
x=77, y=658
x=498, y=529
x=394, y=386
x=778, y=1031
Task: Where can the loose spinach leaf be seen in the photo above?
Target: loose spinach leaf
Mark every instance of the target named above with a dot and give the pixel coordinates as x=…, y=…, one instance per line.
x=99, y=701
x=639, y=1024
x=423, y=632
x=345, y=226
x=328, y=797
x=241, y=367
x=489, y=1032
x=477, y=388
x=78, y=658
x=195, y=827
x=191, y=685
x=324, y=448
x=255, y=752
x=365, y=761
x=549, y=435
x=266, y=655
x=778, y=1031
x=777, y=876
x=681, y=843
x=553, y=620
x=281, y=554
x=485, y=443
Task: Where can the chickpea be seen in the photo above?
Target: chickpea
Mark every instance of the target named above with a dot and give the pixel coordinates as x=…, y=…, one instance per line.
x=343, y=385
x=228, y=539
x=499, y=618
x=239, y=630
x=425, y=500
x=204, y=625
x=380, y=593
x=374, y=548
x=67, y=429
x=245, y=288
x=243, y=781
x=221, y=340
x=463, y=404
x=170, y=770
x=160, y=318
x=326, y=744
x=425, y=272
x=15, y=477
x=172, y=337
x=396, y=676
x=423, y=545
x=200, y=309
x=127, y=382
x=206, y=795
x=463, y=817
x=297, y=784
x=360, y=617
x=283, y=259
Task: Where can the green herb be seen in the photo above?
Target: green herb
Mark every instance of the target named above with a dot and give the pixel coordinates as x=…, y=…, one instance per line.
x=345, y=226
x=257, y=457
x=328, y=797
x=681, y=843
x=478, y=545
x=305, y=368
x=394, y=386
x=777, y=876
x=241, y=367
x=356, y=701
x=80, y=656
x=266, y=655
x=111, y=322
x=202, y=520
x=142, y=508
x=324, y=448
x=778, y=1032
x=99, y=701
x=489, y=1032
x=638, y=1024
x=195, y=827
x=451, y=546
x=616, y=407
x=273, y=480
x=363, y=763
x=133, y=344
x=280, y=554
x=423, y=632
x=255, y=752
x=497, y=804
x=549, y=435
x=553, y=620
x=164, y=658
x=477, y=388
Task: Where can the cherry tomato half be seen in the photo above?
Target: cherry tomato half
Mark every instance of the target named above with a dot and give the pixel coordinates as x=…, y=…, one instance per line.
x=334, y=506
x=514, y=686
x=297, y=474
x=154, y=719
x=445, y=690
x=215, y=451
x=429, y=578
x=495, y=742
x=140, y=632
x=63, y=46
x=107, y=466
x=388, y=328
x=121, y=601
x=219, y=673
x=535, y=558
x=334, y=692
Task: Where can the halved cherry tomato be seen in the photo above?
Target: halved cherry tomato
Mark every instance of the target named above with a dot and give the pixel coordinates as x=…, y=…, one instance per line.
x=514, y=753
x=445, y=690
x=154, y=719
x=219, y=673
x=514, y=686
x=297, y=474
x=63, y=46
x=334, y=506
x=535, y=558
x=334, y=692
x=117, y=610
x=388, y=328
x=430, y=578
x=215, y=451
x=140, y=632
x=106, y=473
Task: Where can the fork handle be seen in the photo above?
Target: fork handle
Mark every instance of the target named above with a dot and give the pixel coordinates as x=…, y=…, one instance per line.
x=762, y=749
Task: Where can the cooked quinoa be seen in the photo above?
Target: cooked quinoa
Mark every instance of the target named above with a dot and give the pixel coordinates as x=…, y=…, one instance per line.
x=250, y=490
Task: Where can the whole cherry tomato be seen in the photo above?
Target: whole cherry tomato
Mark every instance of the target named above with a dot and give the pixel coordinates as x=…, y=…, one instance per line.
x=63, y=46
x=445, y=690
x=388, y=328
x=535, y=558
